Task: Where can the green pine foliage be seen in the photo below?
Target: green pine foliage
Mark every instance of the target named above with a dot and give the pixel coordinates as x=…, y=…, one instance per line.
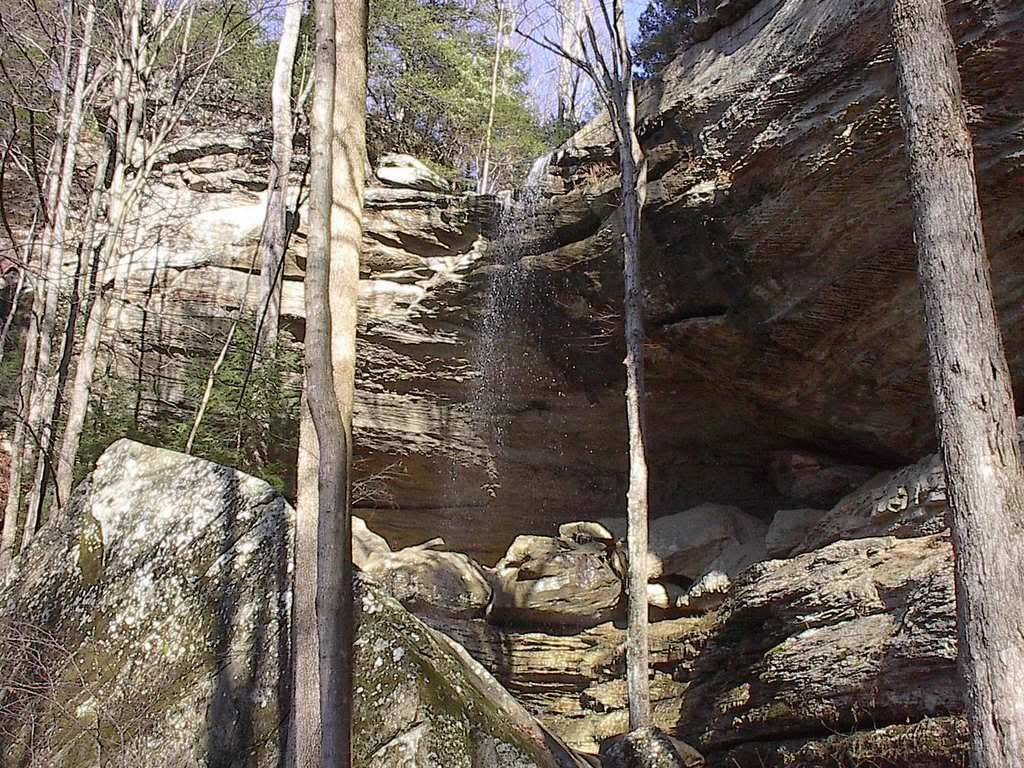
x=665, y=26
x=242, y=401
x=429, y=89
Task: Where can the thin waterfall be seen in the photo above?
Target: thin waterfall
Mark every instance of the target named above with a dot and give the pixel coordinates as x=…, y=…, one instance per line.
x=506, y=303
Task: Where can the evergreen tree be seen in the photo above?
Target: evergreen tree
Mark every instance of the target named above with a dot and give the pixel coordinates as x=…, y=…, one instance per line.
x=664, y=27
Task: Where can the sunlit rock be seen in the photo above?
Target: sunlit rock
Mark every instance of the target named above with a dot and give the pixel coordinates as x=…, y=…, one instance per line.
x=150, y=621
x=559, y=581
x=425, y=579
x=406, y=171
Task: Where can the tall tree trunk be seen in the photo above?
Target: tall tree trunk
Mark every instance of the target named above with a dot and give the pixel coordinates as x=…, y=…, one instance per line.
x=23, y=445
x=499, y=44
x=275, y=236
x=334, y=582
x=634, y=172
x=970, y=383
x=304, y=729
x=569, y=12
x=119, y=143
x=337, y=146
x=46, y=390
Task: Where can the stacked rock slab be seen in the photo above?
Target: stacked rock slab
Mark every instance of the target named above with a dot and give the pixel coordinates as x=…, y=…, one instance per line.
x=842, y=655
x=149, y=625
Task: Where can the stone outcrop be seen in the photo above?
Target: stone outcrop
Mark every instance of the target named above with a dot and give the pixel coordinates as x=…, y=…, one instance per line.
x=851, y=637
x=910, y=501
x=152, y=620
x=572, y=580
x=426, y=579
x=788, y=528
x=409, y=173
x=846, y=651
x=692, y=554
x=785, y=355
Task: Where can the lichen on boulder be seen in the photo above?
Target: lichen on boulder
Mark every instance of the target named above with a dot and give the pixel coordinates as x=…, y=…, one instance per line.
x=149, y=624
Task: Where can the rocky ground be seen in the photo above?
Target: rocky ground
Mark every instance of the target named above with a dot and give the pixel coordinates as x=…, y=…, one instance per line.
x=838, y=648
x=149, y=625
x=154, y=615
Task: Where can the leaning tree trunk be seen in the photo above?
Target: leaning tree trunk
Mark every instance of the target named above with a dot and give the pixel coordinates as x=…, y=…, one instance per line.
x=126, y=119
x=499, y=44
x=970, y=382
x=275, y=229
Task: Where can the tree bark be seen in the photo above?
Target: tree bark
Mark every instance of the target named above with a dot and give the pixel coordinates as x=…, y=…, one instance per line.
x=569, y=11
x=499, y=42
x=47, y=390
x=304, y=729
x=275, y=230
x=970, y=384
x=633, y=193
x=337, y=168
x=123, y=140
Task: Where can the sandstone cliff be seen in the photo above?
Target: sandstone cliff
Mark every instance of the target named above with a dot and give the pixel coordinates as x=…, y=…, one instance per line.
x=780, y=291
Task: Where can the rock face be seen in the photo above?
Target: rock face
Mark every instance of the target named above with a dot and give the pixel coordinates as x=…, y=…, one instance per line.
x=703, y=547
x=780, y=292
x=854, y=636
x=409, y=173
x=910, y=501
x=425, y=579
x=150, y=623
x=847, y=653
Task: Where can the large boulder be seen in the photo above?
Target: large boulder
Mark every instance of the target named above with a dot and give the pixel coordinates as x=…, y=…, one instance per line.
x=699, y=541
x=406, y=171
x=649, y=748
x=856, y=636
x=426, y=579
x=572, y=580
x=366, y=544
x=150, y=621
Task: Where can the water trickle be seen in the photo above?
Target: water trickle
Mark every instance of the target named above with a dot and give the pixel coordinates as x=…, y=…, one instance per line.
x=506, y=304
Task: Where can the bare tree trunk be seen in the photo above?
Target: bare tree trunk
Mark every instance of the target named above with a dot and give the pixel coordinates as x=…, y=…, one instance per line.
x=138, y=42
x=568, y=11
x=634, y=183
x=612, y=76
x=337, y=146
x=304, y=729
x=275, y=236
x=46, y=390
x=127, y=128
x=499, y=43
x=23, y=448
x=970, y=381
